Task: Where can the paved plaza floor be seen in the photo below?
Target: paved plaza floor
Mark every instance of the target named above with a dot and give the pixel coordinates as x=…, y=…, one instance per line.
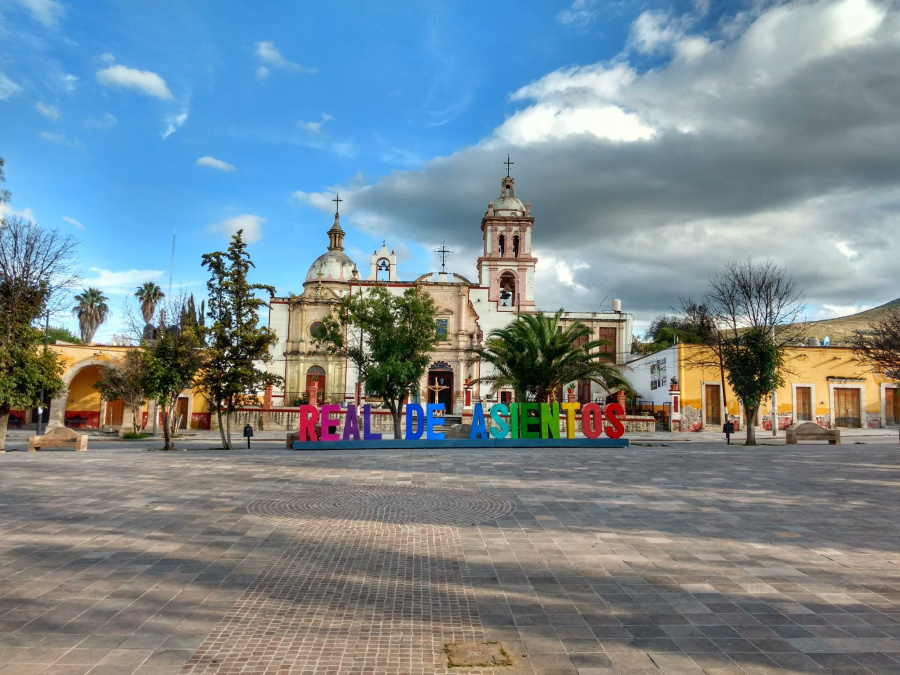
x=661, y=558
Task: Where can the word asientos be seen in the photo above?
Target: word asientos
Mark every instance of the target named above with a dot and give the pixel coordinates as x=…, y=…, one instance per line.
x=514, y=421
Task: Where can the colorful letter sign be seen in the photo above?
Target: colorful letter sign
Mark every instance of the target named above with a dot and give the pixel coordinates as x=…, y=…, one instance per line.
x=527, y=420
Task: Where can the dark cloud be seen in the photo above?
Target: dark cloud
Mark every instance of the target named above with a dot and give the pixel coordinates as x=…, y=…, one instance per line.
x=752, y=147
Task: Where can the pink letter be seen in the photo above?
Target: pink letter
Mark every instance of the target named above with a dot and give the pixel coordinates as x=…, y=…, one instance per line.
x=309, y=415
x=328, y=424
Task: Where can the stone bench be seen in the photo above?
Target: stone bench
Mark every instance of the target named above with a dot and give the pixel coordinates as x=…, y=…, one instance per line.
x=810, y=431
x=58, y=438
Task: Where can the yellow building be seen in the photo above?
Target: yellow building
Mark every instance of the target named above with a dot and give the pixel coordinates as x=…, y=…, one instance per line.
x=828, y=385
x=79, y=405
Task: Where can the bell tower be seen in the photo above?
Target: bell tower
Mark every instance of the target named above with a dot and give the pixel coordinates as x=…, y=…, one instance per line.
x=506, y=266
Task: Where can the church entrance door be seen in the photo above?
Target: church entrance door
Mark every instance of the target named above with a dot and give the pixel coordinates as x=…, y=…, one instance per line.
x=440, y=386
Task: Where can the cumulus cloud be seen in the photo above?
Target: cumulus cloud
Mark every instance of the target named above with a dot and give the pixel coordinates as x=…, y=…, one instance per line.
x=250, y=224
x=7, y=211
x=145, y=81
x=48, y=111
x=74, y=222
x=214, y=163
x=271, y=57
x=771, y=136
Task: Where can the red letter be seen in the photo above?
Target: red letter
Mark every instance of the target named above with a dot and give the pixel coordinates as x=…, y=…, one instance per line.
x=328, y=424
x=615, y=428
x=309, y=416
x=592, y=420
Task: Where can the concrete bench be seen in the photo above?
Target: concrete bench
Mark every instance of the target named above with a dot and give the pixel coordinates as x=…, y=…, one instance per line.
x=810, y=431
x=58, y=438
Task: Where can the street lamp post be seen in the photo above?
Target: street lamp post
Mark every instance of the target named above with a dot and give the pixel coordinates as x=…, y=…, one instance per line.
x=40, y=419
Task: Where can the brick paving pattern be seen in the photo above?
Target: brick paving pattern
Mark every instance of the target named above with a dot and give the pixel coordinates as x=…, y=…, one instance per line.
x=691, y=558
x=368, y=586
x=367, y=505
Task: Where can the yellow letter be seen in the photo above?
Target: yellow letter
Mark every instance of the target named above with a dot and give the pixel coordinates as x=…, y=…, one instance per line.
x=570, y=409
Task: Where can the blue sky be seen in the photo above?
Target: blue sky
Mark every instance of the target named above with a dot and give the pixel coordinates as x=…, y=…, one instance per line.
x=654, y=140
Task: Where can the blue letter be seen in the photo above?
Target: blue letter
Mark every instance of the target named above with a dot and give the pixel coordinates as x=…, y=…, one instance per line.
x=502, y=428
x=351, y=424
x=478, y=428
x=367, y=434
x=431, y=422
x=414, y=410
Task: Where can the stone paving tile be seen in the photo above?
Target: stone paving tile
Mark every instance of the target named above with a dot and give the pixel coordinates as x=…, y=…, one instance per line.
x=682, y=559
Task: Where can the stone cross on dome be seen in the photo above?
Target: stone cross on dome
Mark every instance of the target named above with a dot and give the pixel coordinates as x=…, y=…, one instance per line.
x=444, y=252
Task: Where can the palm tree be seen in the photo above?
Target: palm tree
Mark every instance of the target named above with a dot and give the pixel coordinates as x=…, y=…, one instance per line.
x=149, y=296
x=91, y=311
x=536, y=357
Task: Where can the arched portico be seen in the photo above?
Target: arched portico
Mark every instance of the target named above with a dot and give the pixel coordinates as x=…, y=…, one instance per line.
x=78, y=383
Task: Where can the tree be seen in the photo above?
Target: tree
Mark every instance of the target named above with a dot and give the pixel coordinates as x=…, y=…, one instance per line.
x=752, y=360
x=33, y=263
x=389, y=338
x=170, y=364
x=743, y=297
x=536, y=357
x=126, y=380
x=60, y=334
x=665, y=331
x=880, y=345
x=149, y=295
x=91, y=310
x=235, y=342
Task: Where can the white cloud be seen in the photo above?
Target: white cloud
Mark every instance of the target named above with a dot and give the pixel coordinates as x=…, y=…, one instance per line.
x=73, y=222
x=767, y=134
x=582, y=12
x=315, y=127
x=48, y=111
x=123, y=282
x=174, y=123
x=57, y=138
x=214, y=163
x=130, y=78
x=250, y=224
x=269, y=54
x=106, y=57
x=8, y=88
x=47, y=12
x=105, y=121
x=6, y=211
x=69, y=82
x=654, y=30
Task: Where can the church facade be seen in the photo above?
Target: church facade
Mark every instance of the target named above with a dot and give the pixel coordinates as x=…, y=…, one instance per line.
x=467, y=311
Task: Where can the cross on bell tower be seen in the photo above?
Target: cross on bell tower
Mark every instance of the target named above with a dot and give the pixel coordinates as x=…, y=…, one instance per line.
x=506, y=266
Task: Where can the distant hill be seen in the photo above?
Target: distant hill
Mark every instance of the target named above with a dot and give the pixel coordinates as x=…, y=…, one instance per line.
x=842, y=328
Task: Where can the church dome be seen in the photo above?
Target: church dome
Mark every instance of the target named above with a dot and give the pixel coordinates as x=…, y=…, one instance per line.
x=507, y=205
x=334, y=265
